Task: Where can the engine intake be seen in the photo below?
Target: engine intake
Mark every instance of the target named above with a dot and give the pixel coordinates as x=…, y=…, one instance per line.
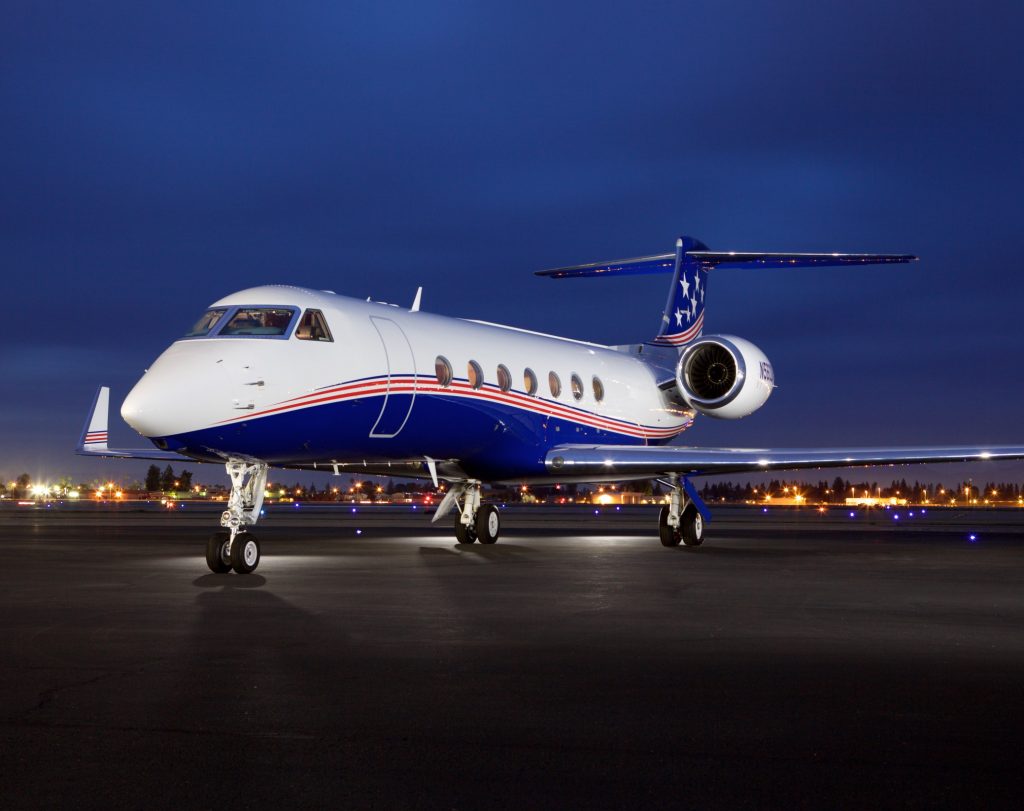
x=725, y=377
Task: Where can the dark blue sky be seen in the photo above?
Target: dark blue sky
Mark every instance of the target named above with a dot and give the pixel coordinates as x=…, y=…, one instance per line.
x=155, y=157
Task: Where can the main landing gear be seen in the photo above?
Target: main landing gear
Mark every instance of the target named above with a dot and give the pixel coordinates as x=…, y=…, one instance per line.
x=682, y=519
x=475, y=521
x=234, y=547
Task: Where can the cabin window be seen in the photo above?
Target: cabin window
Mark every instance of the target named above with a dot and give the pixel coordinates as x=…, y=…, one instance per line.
x=504, y=377
x=555, y=384
x=313, y=327
x=443, y=370
x=259, y=321
x=530, y=382
x=206, y=323
x=577, y=387
x=475, y=374
x=598, y=389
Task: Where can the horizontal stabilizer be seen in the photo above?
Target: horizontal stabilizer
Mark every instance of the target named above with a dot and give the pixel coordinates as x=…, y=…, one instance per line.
x=665, y=262
x=741, y=259
x=611, y=461
x=660, y=263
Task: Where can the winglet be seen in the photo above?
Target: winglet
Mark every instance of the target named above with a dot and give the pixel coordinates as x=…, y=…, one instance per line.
x=94, y=432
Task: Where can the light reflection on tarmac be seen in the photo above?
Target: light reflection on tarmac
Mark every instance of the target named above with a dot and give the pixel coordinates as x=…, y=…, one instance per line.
x=793, y=658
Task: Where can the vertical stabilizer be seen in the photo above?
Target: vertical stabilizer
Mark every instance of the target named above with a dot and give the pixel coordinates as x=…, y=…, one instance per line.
x=683, y=319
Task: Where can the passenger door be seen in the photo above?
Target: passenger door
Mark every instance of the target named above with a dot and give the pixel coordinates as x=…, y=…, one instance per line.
x=401, y=374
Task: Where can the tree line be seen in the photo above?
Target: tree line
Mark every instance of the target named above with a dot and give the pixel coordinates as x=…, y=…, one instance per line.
x=167, y=480
x=840, y=489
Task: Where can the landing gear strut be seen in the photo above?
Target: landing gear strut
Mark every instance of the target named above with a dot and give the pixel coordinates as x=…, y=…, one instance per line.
x=682, y=520
x=475, y=522
x=234, y=547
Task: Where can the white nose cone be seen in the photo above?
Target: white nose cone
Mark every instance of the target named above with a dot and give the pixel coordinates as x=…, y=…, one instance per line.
x=145, y=406
x=187, y=388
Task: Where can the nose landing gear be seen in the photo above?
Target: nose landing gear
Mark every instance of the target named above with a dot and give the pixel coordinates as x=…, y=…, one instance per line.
x=234, y=547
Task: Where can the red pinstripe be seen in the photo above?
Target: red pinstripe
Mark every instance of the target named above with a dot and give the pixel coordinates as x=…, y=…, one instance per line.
x=427, y=385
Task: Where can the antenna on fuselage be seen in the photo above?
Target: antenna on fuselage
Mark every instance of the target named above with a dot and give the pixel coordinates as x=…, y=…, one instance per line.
x=416, y=301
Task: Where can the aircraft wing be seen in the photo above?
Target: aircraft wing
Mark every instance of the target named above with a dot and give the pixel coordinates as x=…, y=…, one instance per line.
x=93, y=441
x=609, y=462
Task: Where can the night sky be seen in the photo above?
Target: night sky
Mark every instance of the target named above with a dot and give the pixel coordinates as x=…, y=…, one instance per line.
x=154, y=157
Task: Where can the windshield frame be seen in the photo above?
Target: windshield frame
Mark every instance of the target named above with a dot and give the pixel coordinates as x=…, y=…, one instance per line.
x=232, y=310
x=212, y=328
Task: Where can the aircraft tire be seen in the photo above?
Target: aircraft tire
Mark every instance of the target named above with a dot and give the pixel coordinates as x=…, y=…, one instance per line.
x=670, y=536
x=463, y=533
x=691, y=522
x=245, y=553
x=488, y=524
x=218, y=562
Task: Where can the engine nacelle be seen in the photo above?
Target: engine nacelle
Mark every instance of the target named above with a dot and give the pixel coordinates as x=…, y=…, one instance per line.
x=724, y=376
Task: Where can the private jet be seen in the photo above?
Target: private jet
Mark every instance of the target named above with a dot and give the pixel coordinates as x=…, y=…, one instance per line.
x=289, y=377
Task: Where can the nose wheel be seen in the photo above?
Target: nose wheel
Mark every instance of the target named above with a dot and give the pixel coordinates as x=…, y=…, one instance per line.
x=245, y=553
x=218, y=552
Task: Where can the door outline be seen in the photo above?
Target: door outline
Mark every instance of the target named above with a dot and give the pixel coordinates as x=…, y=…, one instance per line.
x=396, y=349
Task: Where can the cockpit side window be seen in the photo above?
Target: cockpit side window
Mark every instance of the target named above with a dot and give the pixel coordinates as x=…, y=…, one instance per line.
x=206, y=323
x=258, y=321
x=313, y=327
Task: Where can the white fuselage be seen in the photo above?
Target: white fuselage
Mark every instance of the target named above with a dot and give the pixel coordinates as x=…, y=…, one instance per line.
x=376, y=391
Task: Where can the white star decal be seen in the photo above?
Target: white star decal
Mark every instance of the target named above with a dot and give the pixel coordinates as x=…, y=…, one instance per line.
x=693, y=304
x=679, y=317
x=696, y=282
x=685, y=284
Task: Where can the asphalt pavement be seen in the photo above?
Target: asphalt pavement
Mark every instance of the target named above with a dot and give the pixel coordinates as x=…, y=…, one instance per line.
x=796, y=659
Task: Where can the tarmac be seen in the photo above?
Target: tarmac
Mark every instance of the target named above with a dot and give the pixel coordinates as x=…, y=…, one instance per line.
x=797, y=658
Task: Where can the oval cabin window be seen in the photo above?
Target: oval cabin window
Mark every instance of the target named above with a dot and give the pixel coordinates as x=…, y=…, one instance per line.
x=504, y=377
x=598, y=389
x=530, y=382
x=577, y=387
x=555, y=384
x=443, y=370
x=475, y=374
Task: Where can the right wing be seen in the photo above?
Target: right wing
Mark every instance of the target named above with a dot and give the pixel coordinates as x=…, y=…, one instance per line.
x=606, y=462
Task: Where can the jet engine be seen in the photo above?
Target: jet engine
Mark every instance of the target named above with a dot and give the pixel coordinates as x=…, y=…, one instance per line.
x=724, y=376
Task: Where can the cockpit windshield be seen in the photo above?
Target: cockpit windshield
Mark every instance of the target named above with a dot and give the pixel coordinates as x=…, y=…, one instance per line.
x=206, y=323
x=258, y=321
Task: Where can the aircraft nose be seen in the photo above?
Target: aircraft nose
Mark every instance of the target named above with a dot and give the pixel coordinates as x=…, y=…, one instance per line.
x=146, y=407
x=177, y=393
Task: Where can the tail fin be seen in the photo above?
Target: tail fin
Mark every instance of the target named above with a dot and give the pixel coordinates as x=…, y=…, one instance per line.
x=683, y=319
